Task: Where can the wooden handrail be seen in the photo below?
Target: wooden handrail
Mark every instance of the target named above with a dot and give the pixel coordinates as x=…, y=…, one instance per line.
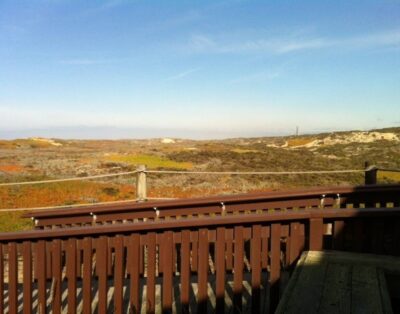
x=197, y=223
x=215, y=200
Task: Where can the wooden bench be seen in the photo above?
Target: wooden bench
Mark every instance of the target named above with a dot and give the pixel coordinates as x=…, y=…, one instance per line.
x=342, y=282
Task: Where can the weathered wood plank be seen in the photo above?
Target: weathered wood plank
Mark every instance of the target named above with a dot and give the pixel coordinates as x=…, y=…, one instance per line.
x=366, y=296
x=336, y=296
x=305, y=288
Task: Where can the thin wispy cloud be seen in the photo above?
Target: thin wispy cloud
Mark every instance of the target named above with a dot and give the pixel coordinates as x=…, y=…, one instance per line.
x=207, y=44
x=182, y=74
x=83, y=61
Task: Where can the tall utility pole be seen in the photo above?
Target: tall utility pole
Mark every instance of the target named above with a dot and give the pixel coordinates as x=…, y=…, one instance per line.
x=297, y=130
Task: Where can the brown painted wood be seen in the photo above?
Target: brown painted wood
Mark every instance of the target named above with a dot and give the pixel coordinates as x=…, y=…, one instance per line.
x=202, y=271
x=101, y=265
x=168, y=264
x=220, y=270
x=255, y=269
x=118, y=274
x=316, y=234
x=48, y=260
x=275, y=265
x=57, y=275
x=185, y=270
x=195, y=251
x=358, y=236
x=79, y=257
x=12, y=278
x=87, y=275
x=151, y=272
x=281, y=217
x=243, y=202
x=377, y=232
x=229, y=249
x=41, y=268
x=238, y=270
x=265, y=234
x=27, y=276
x=1, y=279
x=110, y=258
x=71, y=275
x=294, y=252
x=134, y=249
x=141, y=254
x=338, y=234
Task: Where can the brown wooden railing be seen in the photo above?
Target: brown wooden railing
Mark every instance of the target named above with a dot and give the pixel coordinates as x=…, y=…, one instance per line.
x=334, y=197
x=236, y=262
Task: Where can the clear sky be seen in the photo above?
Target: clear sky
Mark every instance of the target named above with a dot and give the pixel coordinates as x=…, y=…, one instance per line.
x=204, y=69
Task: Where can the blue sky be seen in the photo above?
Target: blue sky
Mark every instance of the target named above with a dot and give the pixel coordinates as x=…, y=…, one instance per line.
x=206, y=69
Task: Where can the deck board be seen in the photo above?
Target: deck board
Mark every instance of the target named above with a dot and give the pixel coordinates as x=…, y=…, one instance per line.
x=339, y=282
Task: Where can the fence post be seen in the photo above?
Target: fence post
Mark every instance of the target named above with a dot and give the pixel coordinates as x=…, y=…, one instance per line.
x=141, y=183
x=371, y=174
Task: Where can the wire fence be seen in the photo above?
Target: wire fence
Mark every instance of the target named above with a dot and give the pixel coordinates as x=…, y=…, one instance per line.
x=109, y=175
x=141, y=183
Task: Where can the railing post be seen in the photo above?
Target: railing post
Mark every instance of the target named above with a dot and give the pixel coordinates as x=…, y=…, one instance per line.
x=316, y=234
x=141, y=183
x=371, y=174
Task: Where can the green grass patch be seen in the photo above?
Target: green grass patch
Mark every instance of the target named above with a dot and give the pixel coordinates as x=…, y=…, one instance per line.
x=244, y=151
x=151, y=161
x=388, y=176
x=12, y=221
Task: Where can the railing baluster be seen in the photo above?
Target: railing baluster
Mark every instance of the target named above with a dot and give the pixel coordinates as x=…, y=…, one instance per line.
x=316, y=234
x=134, y=264
x=358, y=236
x=195, y=251
x=294, y=242
x=202, y=271
x=57, y=276
x=220, y=270
x=265, y=247
x=87, y=275
x=71, y=275
x=275, y=265
x=48, y=260
x=27, y=276
x=377, y=233
x=168, y=264
x=338, y=234
x=118, y=274
x=151, y=272
x=79, y=258
x=12, y=278
x=101, y=265
x=255, y=268
x=229, y=249
x=238, y=269
x=185, y=270
x=1, y=279
x=41, y=274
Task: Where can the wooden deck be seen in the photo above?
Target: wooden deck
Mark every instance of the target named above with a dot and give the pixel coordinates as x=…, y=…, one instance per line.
x=343, y=282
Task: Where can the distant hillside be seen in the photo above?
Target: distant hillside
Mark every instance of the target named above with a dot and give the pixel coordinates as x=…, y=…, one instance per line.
x=39, y=158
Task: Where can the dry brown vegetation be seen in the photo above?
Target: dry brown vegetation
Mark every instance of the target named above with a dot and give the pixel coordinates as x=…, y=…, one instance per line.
x=33, y=159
